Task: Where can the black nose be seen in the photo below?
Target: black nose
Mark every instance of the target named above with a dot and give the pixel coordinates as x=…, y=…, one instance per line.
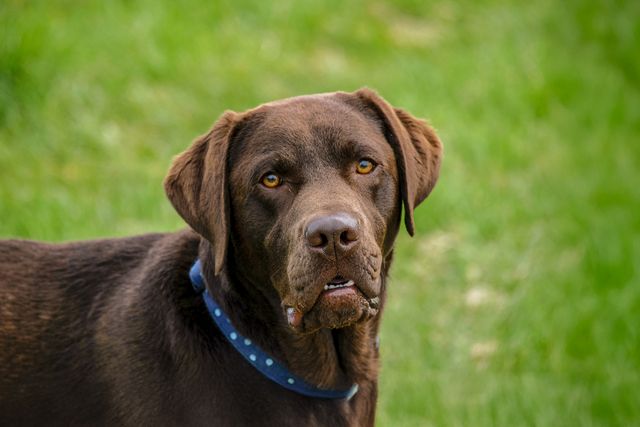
x=329, y=233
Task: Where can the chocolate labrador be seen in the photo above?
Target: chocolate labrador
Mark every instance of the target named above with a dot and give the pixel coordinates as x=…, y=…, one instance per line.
x=265, y=312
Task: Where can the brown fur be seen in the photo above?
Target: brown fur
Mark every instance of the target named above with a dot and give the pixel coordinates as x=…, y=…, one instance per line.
x=110, y=332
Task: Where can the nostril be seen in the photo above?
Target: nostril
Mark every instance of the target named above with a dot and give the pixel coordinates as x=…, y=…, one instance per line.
x=348, y=236
x=317, y=240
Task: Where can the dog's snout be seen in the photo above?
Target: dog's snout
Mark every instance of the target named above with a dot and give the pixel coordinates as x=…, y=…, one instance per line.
x=339, y=232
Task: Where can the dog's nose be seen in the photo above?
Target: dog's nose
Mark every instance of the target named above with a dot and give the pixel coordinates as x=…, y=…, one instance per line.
x=339, y=232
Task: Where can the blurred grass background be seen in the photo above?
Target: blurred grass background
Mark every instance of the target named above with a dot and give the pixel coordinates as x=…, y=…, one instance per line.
x=517, y=304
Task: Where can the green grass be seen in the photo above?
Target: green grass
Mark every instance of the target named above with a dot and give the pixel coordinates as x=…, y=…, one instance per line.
x=517, y=304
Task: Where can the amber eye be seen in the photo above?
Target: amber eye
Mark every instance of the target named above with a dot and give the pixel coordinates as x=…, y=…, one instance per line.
x=271, y=180
x=364, y=166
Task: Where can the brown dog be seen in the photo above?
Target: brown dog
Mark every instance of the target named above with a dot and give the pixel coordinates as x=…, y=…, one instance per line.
x=295, y=207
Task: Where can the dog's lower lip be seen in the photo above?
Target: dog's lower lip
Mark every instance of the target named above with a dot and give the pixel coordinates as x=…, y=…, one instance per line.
x=330, y=294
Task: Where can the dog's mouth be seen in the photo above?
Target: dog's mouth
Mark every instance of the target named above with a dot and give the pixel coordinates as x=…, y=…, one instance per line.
x=336, y=283
x=340, y=303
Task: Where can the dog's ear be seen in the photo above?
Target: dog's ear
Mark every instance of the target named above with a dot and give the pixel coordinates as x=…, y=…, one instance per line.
x=196, y=185
x=417, y=148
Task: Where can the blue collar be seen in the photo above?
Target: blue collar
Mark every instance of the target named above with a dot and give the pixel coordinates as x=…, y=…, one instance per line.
x=263, y=362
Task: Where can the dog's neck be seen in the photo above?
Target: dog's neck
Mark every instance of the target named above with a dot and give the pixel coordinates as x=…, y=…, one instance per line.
x=327, y=358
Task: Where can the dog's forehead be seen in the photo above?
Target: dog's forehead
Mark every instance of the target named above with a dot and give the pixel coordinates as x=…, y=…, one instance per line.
x=302, y=123
x=318, y=100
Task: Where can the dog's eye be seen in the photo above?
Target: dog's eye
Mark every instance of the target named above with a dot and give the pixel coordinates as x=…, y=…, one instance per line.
x=271, y=180
x=365, y=166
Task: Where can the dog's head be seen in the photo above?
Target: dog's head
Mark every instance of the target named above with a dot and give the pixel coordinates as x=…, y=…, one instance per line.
x=305, y=194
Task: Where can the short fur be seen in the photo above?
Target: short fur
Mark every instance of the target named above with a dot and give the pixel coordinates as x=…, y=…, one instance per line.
x=110, y=332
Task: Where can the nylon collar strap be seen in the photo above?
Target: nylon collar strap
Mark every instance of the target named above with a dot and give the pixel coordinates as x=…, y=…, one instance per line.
x=254, y=355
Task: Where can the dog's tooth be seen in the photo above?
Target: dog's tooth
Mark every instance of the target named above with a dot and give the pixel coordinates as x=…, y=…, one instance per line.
x=330, y=286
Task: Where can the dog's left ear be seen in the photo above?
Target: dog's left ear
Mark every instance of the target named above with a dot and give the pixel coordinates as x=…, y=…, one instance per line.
x=196, y=185
x=417, y=148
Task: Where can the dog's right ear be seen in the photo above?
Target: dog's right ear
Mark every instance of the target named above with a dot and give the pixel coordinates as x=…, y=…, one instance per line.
x=196, y=185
